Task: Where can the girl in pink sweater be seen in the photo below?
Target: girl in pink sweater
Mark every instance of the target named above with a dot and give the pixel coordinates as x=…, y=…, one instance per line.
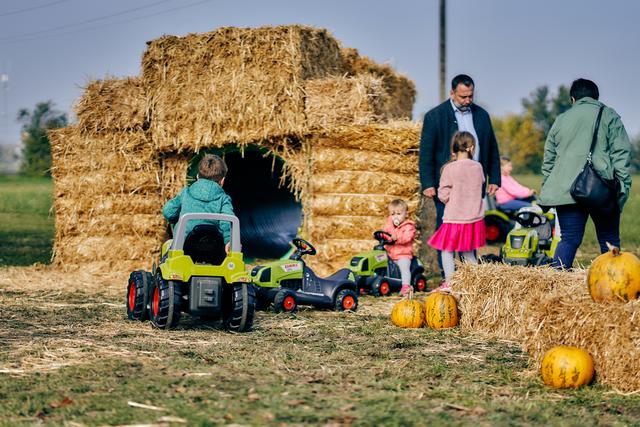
x=402, y=231
x=462, y=229
x=511, y=194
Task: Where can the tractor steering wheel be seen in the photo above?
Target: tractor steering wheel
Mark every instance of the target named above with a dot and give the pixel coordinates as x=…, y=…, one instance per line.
x=383, y=237
x=529, y=219
x=302, y=248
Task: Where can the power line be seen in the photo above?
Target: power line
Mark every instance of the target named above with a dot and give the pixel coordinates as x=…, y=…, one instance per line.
x=62, y=27
x=29, y=9
x=95, y=27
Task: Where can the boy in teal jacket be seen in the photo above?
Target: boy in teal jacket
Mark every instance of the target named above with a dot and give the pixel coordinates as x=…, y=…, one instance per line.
x=203, y=196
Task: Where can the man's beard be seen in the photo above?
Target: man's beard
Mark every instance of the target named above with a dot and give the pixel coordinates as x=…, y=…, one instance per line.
x=463, y=108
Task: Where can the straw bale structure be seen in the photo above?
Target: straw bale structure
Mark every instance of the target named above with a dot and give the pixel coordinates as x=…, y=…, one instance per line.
x=541, y=308
x=233, y=85
x=400, y=89
x=292, y=90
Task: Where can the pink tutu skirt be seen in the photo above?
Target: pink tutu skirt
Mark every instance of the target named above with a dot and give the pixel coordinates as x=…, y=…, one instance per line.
x=459, y=237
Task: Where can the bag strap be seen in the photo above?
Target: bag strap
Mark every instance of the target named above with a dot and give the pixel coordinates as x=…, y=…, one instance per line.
x=595, y=134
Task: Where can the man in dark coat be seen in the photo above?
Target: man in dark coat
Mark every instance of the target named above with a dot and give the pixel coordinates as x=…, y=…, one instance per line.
x=440, y=123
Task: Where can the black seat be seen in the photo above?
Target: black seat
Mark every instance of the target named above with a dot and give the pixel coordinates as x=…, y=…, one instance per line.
x=205, y=245
x=545, y=234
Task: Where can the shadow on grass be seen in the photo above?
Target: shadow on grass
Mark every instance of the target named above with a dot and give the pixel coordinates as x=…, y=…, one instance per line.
x=25, y=247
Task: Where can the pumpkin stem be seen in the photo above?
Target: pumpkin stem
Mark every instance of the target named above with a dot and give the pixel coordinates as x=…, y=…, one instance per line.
x=614, y=250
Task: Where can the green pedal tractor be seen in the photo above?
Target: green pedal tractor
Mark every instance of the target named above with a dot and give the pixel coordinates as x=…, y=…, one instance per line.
x=534, y=240
x=196, y=276
x=377, y=274
x=290, y=282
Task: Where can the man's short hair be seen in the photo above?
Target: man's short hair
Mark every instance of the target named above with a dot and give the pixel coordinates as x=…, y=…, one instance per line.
x=212, y=167
x=461, y=79
x=581, y=88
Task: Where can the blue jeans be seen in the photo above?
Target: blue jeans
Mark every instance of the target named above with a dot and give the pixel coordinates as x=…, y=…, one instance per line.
x=573, y=220
x=515, y=204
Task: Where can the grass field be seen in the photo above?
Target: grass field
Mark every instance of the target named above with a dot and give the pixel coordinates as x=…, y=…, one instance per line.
x=68, y=356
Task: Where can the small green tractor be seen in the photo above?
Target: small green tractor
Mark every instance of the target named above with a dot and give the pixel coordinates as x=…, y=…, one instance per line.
x=534, y=240
x=195, y=275
x=377, y=274
x=288, y=283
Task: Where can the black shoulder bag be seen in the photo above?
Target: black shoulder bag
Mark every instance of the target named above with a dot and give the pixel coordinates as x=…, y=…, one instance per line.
x=589, y=189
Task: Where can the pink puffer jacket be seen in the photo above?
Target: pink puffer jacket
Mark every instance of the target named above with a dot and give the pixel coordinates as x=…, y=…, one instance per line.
x=405, y=233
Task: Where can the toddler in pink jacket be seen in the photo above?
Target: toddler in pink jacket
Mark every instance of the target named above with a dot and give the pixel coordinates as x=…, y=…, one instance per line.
x=402, y=231
x=511, y=194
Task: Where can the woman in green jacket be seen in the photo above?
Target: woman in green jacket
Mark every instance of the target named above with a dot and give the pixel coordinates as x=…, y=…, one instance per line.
x=565, y=153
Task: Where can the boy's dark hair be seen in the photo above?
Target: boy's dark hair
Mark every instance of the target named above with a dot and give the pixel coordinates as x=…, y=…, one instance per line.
x=212, y=167
x=581, y=88
x=461, y=79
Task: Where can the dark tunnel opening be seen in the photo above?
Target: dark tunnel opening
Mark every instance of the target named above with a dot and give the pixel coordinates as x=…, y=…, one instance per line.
x=268, y=212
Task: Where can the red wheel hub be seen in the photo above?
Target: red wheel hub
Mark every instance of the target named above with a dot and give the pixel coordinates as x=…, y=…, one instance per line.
x=132, y=295
x=289, y=303
x=421, y=285
x=493, y=232
x=348, y=302
x=384, y=288
x=156, y=301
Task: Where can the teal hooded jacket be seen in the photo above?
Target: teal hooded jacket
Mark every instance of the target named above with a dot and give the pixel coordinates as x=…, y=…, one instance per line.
x=567, y=147
x=203, y=196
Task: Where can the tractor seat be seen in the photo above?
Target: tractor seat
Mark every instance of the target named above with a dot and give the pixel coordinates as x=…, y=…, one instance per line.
x=205, y=245
x=545, y=235
x=342, y=274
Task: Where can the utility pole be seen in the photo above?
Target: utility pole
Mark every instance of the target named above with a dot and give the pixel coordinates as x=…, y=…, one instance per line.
x=443, y=49
x=4, y=81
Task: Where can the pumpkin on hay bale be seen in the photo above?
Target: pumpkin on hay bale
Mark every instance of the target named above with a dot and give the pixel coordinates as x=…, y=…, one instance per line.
x=441, y=310
x=614, y=276
x=567, y=367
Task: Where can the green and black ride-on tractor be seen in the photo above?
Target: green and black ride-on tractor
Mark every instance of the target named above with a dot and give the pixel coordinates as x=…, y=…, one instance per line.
x=377, y=274
x=196, y=276
x=533, y=241
x=498, y=221
x=288, y=283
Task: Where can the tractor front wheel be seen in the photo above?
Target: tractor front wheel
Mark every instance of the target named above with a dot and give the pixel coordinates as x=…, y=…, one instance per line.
x=165, y=303
x=285, y=301
x=240, y=305
x=346, y=300
x=138, y=295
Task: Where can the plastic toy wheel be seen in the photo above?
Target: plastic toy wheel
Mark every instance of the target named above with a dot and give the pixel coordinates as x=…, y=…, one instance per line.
x=285, y=301
x=419, y=283
x=138, y=295
x=380, y=287
x=165, y=303
x=346, y=300
x=240, y=305
x=496, y=229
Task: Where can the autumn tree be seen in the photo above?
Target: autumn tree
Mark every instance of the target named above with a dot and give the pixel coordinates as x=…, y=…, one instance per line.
x=521, y=140
x=36, y=124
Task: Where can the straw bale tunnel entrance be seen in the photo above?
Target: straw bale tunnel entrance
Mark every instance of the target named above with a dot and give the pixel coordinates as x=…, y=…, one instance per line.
x=268, y=211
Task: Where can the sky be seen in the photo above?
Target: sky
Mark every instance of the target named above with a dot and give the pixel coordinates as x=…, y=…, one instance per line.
x=50, y=49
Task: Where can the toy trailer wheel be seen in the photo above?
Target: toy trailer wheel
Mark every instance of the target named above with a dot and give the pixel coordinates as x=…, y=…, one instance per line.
x=419, y=283
x=285, y=301
x=380, y=287
x=165, y=303
x=138, y=295
x=240, y=305
x=346, y=300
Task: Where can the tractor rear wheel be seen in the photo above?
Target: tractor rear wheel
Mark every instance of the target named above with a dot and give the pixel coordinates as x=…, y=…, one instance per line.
x=346, y=300
x=496, y=229
x=285, y=301
x=380, y=287
x=419, y=283
x=165, y=303
x=138, y=295
x=239, y=307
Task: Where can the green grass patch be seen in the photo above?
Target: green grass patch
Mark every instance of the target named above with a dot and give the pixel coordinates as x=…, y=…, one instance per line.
x=26, y=220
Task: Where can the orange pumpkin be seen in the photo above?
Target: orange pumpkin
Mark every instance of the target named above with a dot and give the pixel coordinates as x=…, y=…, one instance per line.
x=441, y=310
x=565, y=367
x=408, y=313
x=614, y=276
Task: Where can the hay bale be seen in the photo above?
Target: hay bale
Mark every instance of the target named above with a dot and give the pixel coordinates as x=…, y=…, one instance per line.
x=111, y=105
x=542, y=307
x=233, y=85
x=340, y=101
x=610, y=332
x=109, y=250
x=401, y=91
x=331, y=158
